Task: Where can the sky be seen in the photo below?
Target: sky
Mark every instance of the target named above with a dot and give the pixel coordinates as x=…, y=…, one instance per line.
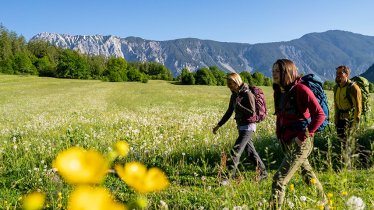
x=241, y=21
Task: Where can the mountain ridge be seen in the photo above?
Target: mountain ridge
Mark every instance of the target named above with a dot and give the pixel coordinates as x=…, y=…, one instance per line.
x=317, y=53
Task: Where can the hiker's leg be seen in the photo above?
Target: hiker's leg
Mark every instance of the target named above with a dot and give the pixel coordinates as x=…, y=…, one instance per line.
x=255, y=158
x=237, y=151
x=343, y=129
x=295, y=156
x=311, y=179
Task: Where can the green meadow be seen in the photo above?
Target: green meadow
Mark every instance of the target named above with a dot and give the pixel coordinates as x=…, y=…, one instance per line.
x=168, y=126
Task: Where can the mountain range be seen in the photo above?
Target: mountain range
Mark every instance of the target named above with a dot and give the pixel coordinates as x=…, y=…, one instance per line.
x=318, y=53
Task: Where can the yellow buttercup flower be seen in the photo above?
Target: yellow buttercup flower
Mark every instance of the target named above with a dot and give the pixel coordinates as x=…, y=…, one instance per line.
x=292, y=187
x=344, y=193
x=33, y=201
x=133, y=174
x=312, y=181
x=92, y=198
x=141, y=202
x=329, y=195
x=79, y=166
x=122, y=148
x=136, y=176
x=156, y=180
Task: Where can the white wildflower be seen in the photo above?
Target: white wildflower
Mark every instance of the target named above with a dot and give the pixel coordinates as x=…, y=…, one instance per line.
x=302, y=198
x=355, y=203
x=290, y=204
x=237, y=208
x=225, y=182
x=163, y=204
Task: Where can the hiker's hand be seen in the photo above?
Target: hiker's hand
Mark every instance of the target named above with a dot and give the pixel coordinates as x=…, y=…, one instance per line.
x=299, y=142
x=215, y=129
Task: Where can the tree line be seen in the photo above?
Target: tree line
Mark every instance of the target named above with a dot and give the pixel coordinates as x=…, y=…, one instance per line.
x=40, y=58
x=214, y=76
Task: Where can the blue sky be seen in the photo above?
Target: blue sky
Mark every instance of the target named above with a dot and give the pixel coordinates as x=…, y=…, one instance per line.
x=243, y=21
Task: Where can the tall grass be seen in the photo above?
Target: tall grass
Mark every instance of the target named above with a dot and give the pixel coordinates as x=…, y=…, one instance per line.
x=168, y=126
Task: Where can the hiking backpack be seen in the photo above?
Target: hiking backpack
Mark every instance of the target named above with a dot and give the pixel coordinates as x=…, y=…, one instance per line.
x=315, y=84
x=260, y=104
x=363, y=84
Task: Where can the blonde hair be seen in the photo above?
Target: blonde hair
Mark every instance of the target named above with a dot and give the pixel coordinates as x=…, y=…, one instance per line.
x=288, y=71
x=236, y=78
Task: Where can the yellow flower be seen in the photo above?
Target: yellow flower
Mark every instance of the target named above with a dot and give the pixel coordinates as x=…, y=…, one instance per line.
x=141, y=202
x=312, y=181
x=329, y=195
x=34, y=201
x=79, y=166
x=292, y=187
x=344, y=193
x=136, y=176
x=92, y=198
x=133, y=174
x=122, y=148
x=156, y=180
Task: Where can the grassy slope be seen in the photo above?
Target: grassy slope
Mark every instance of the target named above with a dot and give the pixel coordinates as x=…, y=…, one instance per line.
x=168, y=125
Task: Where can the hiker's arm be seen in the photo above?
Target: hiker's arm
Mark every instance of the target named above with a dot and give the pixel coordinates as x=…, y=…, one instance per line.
x=316, y=112
x=357, y=102
x=250, y=100
x=228, y=113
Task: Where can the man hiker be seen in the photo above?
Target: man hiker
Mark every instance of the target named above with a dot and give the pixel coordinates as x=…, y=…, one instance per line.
x=348, y=107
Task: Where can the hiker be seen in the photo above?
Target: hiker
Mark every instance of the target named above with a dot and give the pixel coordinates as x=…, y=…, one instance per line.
x=348, y=107
x=242, y=101
x=298, y=116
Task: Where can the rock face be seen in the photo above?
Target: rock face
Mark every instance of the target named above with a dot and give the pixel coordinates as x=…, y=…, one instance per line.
x=317, y=53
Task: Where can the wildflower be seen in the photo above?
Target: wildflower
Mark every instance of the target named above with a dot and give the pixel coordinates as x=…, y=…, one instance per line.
x=225, y=182
x=355, y=203
x=142, y=202
x=121, y=148
x=163, y=205
x=312, y=181
x=237, y=208
x=302, y=198
x=344, y=193
x=292, y=187
x=320, y=205
x=79, y=166
x=90, y=198
x=34, y=201
x=329, y=195
x=136, y=176
x=290, y=204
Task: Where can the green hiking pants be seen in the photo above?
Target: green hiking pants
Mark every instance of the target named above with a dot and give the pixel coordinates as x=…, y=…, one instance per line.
x=296, y=157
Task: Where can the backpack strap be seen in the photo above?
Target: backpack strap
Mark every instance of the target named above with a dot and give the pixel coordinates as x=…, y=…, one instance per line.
x=349, y=92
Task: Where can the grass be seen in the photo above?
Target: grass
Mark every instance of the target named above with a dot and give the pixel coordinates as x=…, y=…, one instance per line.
x=168, y=126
